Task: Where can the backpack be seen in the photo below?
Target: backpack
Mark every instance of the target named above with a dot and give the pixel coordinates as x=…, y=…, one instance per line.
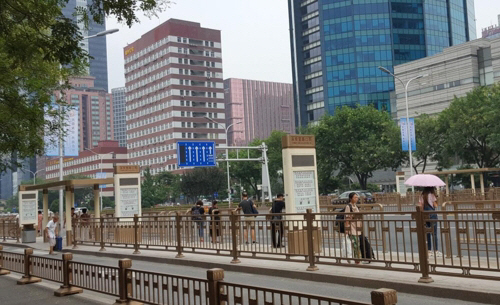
x=341, y=224
x=195, y=211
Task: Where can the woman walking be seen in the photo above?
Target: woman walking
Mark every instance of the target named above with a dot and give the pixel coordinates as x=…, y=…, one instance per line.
x=353, y=227
x=428, y=201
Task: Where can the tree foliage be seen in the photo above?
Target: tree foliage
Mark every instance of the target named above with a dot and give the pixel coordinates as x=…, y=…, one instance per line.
x=39, y=49
x=204, y=181
x=430, y=142
x=159, y=189
x=471, y=127
x=359, y=141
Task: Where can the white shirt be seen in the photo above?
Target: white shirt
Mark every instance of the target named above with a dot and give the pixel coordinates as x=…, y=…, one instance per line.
x=51, y=226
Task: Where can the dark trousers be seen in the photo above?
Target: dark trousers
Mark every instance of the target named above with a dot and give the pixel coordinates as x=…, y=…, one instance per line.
x=432, y=238
x=277, y=229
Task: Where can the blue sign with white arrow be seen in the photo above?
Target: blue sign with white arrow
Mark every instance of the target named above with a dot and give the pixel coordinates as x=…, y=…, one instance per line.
x=195, y=154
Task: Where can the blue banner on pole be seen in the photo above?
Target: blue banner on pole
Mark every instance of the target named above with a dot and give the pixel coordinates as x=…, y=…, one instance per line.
x=101, y=175
x=404, y=134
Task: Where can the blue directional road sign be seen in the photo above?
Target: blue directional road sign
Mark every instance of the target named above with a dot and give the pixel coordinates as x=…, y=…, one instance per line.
x=195, y=154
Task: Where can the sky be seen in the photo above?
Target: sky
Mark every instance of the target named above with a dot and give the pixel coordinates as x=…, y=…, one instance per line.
x=255, y=35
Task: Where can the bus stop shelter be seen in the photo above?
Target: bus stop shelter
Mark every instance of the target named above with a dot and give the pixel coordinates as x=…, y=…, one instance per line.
x=471, y=171
x=68, y=186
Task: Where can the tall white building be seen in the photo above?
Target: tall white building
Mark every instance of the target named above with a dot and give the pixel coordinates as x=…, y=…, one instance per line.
x=119, y=119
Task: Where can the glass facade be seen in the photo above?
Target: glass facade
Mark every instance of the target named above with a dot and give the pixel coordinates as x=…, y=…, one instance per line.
x=337, y=46
x=95, y=46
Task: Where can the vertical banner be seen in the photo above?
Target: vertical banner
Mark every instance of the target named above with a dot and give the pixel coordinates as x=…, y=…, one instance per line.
x=404, y=134
x=51, y=140
x=101, y=175
x=71, y=136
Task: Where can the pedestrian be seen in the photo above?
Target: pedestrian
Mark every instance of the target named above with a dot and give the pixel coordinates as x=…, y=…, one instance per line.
x=197, y=211
x=249, y=210
x=277, y=221
x=428, y=201
x=40, y=219
x=51, y=233
x=84, y=224
x=214, y=211
x=353, y=227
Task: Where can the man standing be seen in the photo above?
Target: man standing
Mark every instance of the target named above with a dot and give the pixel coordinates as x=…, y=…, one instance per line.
x=51, y=232
x=84, y=225
x=277, y=221
x=197, y=211
x=249, y=209
x=40, y=220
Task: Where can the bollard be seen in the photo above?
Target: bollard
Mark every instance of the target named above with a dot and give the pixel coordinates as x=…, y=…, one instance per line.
x=310, y=241
x=214, y=276
x=384, y=296
x=66, y=288
x=2, y=270
x=125, y=282
x=234, y=238
x=178, y=235
x=27, y=278
x=136, y=234
x=101, y=222
x=422, y=249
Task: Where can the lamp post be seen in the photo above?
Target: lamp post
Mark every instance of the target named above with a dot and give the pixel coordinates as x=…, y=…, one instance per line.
x=102, y=158
x=227, y=156
x=407, y=113
x=34, y=173
x=61, y=151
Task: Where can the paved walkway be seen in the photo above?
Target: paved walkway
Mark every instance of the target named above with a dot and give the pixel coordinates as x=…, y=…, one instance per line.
x=460, y=288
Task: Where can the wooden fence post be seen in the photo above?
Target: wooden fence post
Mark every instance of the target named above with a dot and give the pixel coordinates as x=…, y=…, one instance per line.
x=422, y=249
x=136, y=234
x=27, y=278
x=384, y=296
x=73, y=223
x=178, y=235
x=101, y=224
x=3, y=229
x=310, y=241
x=214, y=276
x=66, y=288
x=2, y=270
x=125, y=282
x=234, y=238
x=18, y=230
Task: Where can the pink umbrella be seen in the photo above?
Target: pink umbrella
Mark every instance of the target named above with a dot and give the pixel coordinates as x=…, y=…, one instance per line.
x=425, y=180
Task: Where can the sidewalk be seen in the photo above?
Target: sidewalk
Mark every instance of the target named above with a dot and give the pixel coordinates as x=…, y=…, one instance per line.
x=459, y=288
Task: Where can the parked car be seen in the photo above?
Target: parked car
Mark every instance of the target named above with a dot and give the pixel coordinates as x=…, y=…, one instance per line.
x=344, y=197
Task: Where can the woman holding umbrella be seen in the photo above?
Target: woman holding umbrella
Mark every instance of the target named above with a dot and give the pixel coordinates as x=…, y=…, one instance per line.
x=428, y=201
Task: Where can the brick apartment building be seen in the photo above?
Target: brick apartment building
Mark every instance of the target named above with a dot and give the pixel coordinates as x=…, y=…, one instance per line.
x=174, y=82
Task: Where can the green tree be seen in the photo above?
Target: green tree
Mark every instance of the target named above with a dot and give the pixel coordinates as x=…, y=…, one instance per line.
x=359, y=141
x=430, y=141
x=470, y=127
x=39, y=49
x=54, y=206
x=204, y=181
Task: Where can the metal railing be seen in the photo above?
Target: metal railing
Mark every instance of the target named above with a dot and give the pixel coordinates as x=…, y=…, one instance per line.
x=158, y=288
x=9, y=228
x=462, y=242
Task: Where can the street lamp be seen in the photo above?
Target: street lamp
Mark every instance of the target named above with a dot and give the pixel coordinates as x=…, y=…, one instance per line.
x=227, y=156
x=61, y=151
x=34, y=173
x=101, y=157
x=407, y=112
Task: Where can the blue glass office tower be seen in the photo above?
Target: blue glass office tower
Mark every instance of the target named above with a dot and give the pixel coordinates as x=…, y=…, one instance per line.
x=337, y=46
x=95, y=46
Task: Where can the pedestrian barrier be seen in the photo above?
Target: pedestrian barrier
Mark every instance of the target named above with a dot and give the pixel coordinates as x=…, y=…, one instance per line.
x=455, y=243
x=132, y=286
x=9, y=228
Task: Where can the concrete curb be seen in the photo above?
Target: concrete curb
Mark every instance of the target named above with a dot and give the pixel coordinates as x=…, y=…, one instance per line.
x=432, y=290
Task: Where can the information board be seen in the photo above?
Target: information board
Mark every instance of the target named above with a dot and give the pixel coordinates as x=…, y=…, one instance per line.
x=28, y=205
x=305, y=191
x=129, y=201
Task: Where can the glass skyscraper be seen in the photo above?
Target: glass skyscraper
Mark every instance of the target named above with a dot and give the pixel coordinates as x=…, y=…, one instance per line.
x=337, y=46
x=96, y=46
